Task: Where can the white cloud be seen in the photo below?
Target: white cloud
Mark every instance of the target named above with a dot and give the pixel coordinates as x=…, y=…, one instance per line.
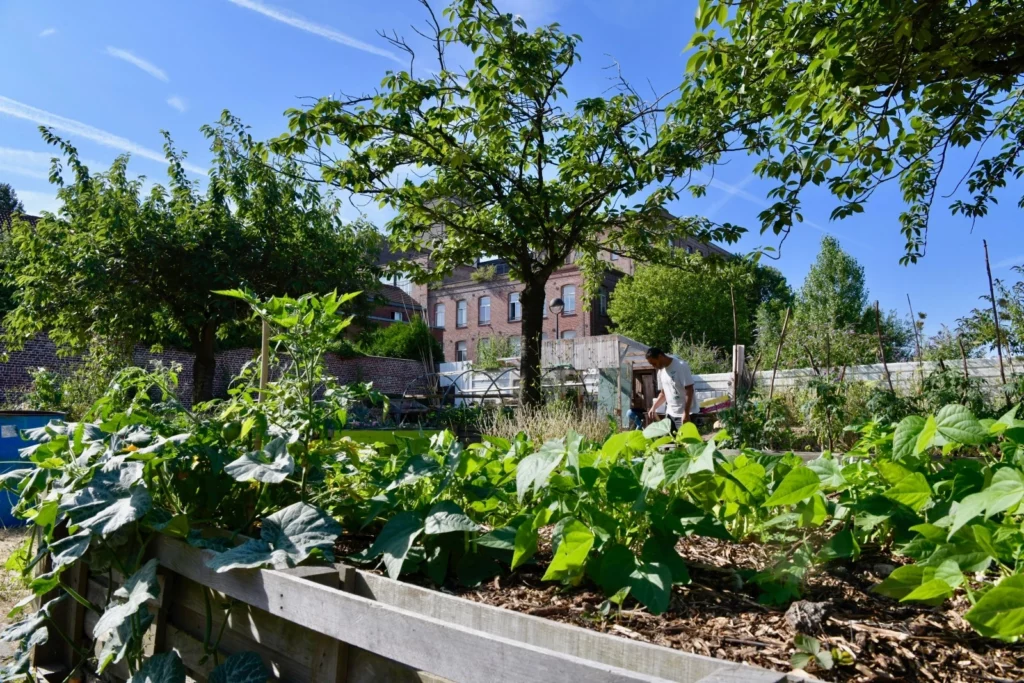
x=25, y=163
x=1012, y=261
x=37, y=202
x=82, y=130
x=150, y=68
x=177, y=103
x=47, y=32
x=295, y=21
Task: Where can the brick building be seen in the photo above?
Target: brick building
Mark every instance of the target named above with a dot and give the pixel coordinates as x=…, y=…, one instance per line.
x=478, y=303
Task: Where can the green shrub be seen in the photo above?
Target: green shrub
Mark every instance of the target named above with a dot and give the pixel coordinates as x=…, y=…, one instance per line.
x=702, y=357
x=411, y=340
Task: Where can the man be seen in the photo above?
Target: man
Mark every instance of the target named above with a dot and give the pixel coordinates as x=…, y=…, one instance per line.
x=676, y=384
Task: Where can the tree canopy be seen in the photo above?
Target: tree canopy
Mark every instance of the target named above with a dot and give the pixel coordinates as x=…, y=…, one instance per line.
x=832, y=323
x=9, y=205
x=659, y=305
x=853, y=95
x=141, y=268
x=494, y=159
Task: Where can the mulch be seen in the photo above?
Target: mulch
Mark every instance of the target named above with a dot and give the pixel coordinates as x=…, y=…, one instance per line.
x=717, y=615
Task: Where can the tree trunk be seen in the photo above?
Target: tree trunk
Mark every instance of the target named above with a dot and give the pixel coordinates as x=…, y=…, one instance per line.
x=532, y=299
x=205, y=364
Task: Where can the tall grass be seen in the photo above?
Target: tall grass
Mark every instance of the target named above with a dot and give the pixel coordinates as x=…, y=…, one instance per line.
x=552, y=420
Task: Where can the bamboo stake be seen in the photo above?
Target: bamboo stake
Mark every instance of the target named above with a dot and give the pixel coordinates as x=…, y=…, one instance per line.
x=735, y=327
x=917, y=333
x=264, y=370
x=881, y=349
x=995, y=315
x=963, y=355
x=775, y=368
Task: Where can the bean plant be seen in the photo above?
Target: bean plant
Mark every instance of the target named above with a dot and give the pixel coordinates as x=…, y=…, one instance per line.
x=267, y=479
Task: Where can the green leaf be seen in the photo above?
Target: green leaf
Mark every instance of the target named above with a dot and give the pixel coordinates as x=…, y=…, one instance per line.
x=287, y=537
x=925, y=437
x=904, y=439
x=525, y=544
x=396, y=539
x=272, y=465
x=616, y=564
x=651, y=584
x=841, y=546
x=241, y=667
x=688, y=433
x=705, y=462
x=140, y=588
x=956, y=423
x=623, y=443
x=800, y=484
x=1006, y=491
x=901, y=582
x=571, y=555
x=162, y=668
x=622, y=486
x=658, y=429
x=474, y=568
x=661, y=550
x=499, y=539
x=70, y=549
x=929, y=591
x=1000, y=612
x=109, y=502
x=912, y=491
x=115, y=645
x=446, y=517
x=829, y=472
x=653, y=474
x=534, y=470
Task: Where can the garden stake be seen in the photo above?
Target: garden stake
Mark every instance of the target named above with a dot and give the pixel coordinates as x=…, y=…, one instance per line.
x=264, y=369
x=917, y=331
x=963, y=354
x=881, y=349
x=995, y=315
x=775, y=368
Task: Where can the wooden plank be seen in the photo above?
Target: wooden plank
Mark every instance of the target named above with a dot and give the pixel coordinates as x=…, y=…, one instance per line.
x=330, y=663
x=366, y=667
x=645, y=658
x=285, y=648
x=444, y=649
x=744, y=674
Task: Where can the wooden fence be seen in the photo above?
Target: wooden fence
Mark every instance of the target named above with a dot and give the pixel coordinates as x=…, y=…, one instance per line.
x=332, y=624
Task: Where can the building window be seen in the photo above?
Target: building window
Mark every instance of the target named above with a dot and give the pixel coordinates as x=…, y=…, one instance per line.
x=615, y=257
x=689, y=249
x=482, y=346
x=517, y=346
x=484, y=310
x=543, y=336
x=439, y=316
x=602, y=301
x=569, y=298
x=569, y=334
x=545, y=307
x=515, y=311
x=397, y=316
x=461, y=313
x=461, y=354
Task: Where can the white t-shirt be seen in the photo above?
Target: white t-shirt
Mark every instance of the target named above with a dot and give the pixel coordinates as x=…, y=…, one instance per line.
x=673, y=380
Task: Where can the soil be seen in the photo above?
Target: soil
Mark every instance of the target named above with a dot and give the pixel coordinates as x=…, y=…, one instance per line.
x=716, y=615
x=12, y=587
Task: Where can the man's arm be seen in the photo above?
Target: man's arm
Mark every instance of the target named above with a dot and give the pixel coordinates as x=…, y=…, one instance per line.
x=653, y=412
x=687, y=402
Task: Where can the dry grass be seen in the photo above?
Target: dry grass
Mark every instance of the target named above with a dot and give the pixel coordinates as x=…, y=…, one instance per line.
x=543, y=423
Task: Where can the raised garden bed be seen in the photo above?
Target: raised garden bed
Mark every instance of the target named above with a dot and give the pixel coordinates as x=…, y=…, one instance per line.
x=339, y=624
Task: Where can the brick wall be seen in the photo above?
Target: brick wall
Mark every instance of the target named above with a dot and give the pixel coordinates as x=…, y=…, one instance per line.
x=391, y=376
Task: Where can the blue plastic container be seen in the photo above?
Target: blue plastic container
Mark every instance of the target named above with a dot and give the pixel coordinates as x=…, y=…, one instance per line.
x=12, y=422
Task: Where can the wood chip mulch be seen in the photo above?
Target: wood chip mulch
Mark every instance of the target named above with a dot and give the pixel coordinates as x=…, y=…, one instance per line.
x=716, y=615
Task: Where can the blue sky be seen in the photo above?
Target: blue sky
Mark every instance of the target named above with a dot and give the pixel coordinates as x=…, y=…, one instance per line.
x=110, y=74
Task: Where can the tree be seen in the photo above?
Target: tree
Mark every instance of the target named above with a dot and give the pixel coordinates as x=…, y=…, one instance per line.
x=853, y=95
x=832, y=322
x=9, y=205
x=142, y=269
x=659, y=304
x=491, y=160
x=412, y=340
x=978, y=329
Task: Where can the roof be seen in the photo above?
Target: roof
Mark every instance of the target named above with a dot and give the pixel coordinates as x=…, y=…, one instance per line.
x=396, y=297
x=388, y=255
x=5, y=220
